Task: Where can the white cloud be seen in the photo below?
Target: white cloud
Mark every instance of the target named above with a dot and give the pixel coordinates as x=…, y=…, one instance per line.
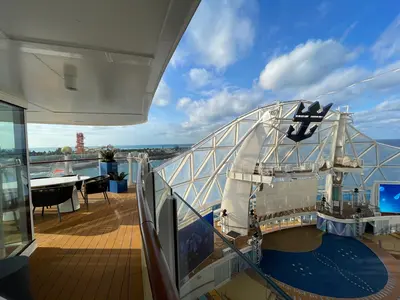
x=389, y=105
x=162, y=95
x=388, y=44
x=348, y=84
x=306, y=64
x=221, y=31
x=390, y=79
x=220, y=106
x=200, y=77
x=384, y=113
x=178, y=58
x=347, y=31
x=183, y=103
x=336, y=81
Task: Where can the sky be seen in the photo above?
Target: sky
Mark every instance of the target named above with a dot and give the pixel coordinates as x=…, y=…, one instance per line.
x=237, y=55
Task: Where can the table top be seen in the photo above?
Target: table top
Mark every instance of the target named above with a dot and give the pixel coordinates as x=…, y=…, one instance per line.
x=56, y=180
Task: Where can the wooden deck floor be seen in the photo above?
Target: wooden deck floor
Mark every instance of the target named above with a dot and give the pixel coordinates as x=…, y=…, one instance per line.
x=90, y=254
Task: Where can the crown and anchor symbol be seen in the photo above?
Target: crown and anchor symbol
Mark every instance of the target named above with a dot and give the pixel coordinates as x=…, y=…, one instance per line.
x=312, y=114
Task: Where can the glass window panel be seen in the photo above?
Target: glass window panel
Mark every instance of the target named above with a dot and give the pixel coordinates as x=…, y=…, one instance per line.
x=288, y=110
x=361, y=148
x=198, y=158
x=376, y=176
x=15, y=222
x=219, y=135
x=198, y=184
x=369, y=157
x=171, y=168
x=207, y=144
x=305, y=150
x=181, y=190
x=220, y=154
x=391, y=174
x=183, y=174
x=222, y=181
x=244, y=126
x=283, y=151
x=229, y=139
x=253, y=116
x=386, y=152
x=292, y=158
x=361, y=138
x=214, y=194
x=207, y=169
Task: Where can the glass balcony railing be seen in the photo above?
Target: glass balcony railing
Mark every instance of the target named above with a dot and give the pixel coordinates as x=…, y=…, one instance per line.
x=201, y=261
x=211, y=264
x=82, y=164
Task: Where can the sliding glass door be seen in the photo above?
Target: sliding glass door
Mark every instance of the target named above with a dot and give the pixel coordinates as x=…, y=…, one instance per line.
x=15, y=223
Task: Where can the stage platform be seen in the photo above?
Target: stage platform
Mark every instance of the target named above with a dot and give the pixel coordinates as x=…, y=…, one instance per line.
x=353, y=226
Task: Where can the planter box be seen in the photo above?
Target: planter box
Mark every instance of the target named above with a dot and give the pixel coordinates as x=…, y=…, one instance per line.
x=108, y=167
x=118, y=186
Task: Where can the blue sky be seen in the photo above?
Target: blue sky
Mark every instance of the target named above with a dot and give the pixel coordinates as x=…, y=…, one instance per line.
x=240, y=54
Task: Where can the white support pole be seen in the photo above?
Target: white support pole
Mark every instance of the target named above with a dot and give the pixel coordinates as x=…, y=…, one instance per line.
x=99, y=156
x=67, y=164
x=131, y=160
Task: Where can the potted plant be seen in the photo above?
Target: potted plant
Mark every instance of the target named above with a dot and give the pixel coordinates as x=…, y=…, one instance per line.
x=67, y=151
x=108, y=164
x=118, y=183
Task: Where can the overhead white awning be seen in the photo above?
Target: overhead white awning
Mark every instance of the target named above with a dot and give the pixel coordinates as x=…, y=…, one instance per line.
x=94, y=62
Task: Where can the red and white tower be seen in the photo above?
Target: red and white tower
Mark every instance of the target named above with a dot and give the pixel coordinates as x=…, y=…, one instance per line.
x=80, y=143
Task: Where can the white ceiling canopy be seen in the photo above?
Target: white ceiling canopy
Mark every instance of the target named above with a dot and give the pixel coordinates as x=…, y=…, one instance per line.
x=94, y=62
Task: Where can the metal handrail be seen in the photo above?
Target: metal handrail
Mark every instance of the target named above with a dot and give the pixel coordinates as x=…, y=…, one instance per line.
x=71, y=160
x=64, y=160
x=162, y=285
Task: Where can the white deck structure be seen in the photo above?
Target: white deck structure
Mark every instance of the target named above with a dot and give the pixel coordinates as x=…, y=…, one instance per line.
x=229, y=165
x=94, y=62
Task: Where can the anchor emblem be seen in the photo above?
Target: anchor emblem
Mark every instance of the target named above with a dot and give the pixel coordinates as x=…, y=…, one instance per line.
x=305, y=118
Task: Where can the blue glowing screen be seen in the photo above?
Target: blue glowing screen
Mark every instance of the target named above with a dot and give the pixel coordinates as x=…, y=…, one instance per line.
x=389, y=198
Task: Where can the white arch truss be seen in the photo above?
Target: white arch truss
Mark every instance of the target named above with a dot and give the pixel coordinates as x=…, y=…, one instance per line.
x=199, y=175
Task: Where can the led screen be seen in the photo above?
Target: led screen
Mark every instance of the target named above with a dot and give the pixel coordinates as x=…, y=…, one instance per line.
x=389, y=198
x=196, y=243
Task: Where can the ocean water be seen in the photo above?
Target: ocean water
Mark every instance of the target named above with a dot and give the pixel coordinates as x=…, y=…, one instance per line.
x=123, y=167
x=122, y=147
x=392, y=142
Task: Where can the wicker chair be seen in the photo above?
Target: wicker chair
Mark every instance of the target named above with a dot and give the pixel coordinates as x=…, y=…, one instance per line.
x=96, y=185
x=78, y=184
x=52, y=195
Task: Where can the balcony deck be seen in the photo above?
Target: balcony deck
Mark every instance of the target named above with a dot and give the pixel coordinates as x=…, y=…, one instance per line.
x=90, y=254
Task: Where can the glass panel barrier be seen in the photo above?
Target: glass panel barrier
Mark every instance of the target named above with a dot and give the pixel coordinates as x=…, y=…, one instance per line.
x=210, y=264
x=82, y=164
x=207, y=263
x=156, y=250
x=15, y=221
x=161, y=191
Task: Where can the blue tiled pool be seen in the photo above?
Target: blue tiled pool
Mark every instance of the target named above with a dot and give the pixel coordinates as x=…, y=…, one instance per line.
x=340, y=267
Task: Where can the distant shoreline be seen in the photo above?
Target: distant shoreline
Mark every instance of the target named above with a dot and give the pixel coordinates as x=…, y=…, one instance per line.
x=121, y=147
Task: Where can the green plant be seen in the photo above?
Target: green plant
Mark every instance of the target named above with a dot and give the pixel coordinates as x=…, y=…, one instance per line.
x=107, y=154
x=66, y=150
x=114, y=176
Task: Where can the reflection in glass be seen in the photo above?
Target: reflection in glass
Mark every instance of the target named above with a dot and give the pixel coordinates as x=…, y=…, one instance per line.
x=15, y=228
